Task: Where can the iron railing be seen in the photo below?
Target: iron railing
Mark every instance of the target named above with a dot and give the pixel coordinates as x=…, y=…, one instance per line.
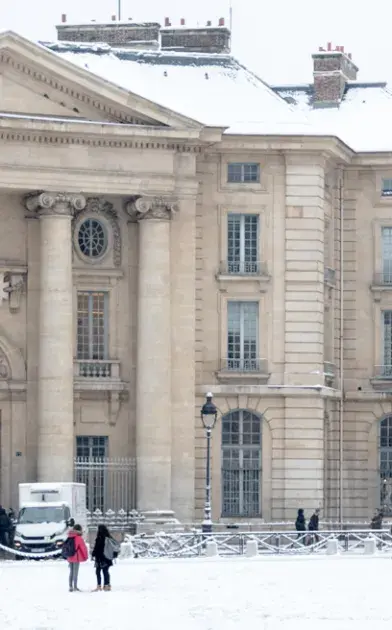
x=243, y=268
x=329, y=276
x=244, y=365
x=110, y=482
x=234, y=544
x=109, y=369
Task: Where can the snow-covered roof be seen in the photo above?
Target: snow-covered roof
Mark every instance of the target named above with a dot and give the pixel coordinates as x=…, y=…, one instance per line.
x=213, y=89
x=217, y=91
x=362, y=119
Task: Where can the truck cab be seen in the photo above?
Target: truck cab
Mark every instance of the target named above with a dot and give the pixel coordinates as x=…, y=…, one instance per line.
x=44, y=514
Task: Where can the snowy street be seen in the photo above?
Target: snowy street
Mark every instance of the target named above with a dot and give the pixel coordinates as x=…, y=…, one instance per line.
x=269, y=593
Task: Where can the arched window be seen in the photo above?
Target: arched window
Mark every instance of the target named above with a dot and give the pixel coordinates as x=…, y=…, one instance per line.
x=385, y=454
x=241, y=464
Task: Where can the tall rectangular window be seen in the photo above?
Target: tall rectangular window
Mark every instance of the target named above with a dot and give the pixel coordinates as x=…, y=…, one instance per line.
x=91, y=468
x=387, y=334
x=92, y=331
x=243, y=172
x=242, y=243
x=386, y=255
x=242, y=336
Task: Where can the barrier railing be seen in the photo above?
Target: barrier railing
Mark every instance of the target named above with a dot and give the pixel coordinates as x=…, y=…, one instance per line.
x=234, y=544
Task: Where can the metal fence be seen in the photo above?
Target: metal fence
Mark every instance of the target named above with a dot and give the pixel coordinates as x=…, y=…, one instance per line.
x=110, y=482
x=272, y=543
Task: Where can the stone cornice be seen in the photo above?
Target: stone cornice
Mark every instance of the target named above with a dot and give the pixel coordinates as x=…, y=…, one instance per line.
x=328, y=146
x=47, y=66
x=68, y=132
x=8, y=61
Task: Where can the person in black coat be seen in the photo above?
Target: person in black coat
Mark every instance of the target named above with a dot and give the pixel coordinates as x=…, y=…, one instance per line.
x=314, y=525
x=314, y=521
x=5, y=526
x=102, y=564
x=300, y=524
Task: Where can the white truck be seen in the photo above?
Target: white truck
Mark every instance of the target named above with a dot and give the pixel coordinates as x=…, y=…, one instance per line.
x=45, y=510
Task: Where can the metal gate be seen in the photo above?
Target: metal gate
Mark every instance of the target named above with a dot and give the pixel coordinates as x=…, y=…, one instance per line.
x=110, y=482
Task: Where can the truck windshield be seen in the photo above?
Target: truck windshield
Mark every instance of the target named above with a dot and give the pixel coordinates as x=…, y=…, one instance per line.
x=44, y=514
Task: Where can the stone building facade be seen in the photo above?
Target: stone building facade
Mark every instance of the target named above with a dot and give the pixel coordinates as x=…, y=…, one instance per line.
x=147, y=259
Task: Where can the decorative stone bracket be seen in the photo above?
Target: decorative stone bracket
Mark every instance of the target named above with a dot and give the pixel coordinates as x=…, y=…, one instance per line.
x=13, y=286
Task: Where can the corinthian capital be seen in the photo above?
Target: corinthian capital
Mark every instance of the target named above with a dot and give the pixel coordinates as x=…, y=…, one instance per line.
x=45, y=203
x=158, y=208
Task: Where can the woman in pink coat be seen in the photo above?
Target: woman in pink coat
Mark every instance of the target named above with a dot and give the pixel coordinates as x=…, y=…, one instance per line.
x=80, y=555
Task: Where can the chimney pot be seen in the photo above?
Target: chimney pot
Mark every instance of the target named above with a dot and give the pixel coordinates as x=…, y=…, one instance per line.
x=329, y=46
x=182, y=22
x=64, y=18
x=209, y=23
x=113, y=18
x=167, y=21
x=350, y=56
x=221, y=21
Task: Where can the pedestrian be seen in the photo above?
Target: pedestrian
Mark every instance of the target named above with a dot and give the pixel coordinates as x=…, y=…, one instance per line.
x=300, y=525
x=5, y=526
x=75, y=552
x=377, y=519
x=105, y=550
x=313, y=525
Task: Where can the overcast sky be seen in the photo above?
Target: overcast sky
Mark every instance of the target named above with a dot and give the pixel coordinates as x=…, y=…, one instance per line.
x=275, y=39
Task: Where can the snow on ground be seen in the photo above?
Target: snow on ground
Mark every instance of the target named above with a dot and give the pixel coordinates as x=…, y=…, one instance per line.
x=273, y=593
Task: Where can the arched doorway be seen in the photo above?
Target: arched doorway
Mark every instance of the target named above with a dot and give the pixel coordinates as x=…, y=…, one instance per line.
x=241, y=464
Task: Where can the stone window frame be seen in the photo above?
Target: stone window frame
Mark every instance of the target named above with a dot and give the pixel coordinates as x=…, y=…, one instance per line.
x=384, y=304
x=240, y=448
x=109, y=286
x=241, y=187
x=263, y=243
x=263, y=332
x=380, y=199
x=104, y=212
x=378, y=225
x=266, y=413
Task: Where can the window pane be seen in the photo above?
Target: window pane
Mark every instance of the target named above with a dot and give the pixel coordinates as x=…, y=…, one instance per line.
x=387, y=315
x=241, y=464
x=251, y=233
x=92, y=330
x=242, y=335
x=387, y=254
x=234, y=243
x=243, y=172
x=234, y=172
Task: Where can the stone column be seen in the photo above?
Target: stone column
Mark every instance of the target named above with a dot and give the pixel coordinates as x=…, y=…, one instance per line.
x=55, y=370
x=153, y=378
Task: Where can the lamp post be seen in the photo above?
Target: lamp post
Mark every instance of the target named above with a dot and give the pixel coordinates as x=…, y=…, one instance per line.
x=209, y=414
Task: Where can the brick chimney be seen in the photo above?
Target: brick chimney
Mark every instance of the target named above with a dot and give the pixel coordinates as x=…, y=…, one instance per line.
x=142, y=36
x=203, y=39
x=332, y=68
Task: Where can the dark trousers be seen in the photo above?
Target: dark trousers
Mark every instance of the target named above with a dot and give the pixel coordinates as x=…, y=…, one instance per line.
x=3, y=537
x=106, y=576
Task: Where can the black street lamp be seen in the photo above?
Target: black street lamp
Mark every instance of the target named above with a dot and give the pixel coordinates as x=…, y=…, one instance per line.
x=209, y=414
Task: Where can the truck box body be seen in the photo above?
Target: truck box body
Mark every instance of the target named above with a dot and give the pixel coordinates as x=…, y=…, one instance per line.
x=44, y=512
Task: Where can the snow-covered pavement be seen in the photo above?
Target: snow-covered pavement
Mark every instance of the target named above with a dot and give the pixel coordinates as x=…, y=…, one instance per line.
x=337, y=593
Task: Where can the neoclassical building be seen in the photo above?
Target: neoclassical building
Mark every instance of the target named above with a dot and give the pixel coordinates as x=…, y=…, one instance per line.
x=170, y=225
